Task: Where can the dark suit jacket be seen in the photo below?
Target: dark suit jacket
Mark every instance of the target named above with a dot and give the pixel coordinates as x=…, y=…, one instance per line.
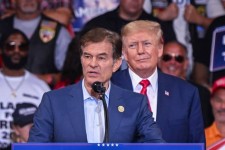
x=60, y=117
x=178, y=109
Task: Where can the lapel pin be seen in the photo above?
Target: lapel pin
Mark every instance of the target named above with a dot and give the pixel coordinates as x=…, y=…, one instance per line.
x=120, y=108
x=167, y=93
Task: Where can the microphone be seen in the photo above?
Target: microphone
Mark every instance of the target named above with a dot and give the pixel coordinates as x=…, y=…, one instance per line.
x=99, y=88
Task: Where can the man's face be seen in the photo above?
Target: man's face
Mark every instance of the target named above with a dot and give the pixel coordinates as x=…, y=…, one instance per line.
x=142, y=50
x=28, y=6
x=132, y=7
x=218, y=105
x=97, y=63
x=15, y=52
x=174, y=61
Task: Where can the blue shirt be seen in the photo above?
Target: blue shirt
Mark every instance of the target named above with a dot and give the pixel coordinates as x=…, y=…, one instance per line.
x=94, y=116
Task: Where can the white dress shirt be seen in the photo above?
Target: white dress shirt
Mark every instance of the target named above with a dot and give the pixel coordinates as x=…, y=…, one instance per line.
x=94, y=116
x=152, y=89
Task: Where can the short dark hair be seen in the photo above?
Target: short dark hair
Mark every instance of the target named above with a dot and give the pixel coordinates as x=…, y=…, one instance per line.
x=100, y=34
x=180, y=44
x=5, y=35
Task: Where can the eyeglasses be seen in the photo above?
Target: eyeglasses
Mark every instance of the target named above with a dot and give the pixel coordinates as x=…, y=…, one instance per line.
x=11, y=46
x=178, y=58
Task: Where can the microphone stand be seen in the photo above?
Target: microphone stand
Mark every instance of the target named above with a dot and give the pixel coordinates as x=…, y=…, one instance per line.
x=100, y=89
x=106, y=138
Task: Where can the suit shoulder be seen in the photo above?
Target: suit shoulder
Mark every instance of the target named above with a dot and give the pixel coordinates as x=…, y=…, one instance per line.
x=118, y=74
x=60, y=91
x=177, y=81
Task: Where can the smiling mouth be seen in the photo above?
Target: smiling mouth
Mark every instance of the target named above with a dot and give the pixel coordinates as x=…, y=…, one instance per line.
x=171, y=68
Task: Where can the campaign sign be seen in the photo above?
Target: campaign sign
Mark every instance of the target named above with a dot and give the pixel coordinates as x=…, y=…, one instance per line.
x=217, y=61
x=85, y=10
x=108, y=146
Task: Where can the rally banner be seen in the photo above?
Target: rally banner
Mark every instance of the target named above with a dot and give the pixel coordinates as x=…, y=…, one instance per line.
x=85, y=10
x=217, y=60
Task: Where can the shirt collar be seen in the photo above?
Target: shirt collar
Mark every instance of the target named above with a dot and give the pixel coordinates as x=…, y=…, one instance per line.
x=136, y=79
x=215, y=132
x=86, y=95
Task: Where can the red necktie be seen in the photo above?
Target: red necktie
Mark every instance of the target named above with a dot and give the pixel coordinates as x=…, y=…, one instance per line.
x=145, y=84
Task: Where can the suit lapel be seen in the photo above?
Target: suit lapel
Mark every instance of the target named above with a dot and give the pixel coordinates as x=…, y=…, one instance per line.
x=163, y=103
x=75, y=105
x=115, y=117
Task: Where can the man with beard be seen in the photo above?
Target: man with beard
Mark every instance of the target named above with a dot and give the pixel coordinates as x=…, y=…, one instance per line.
x=17, y=84
x=48, y=39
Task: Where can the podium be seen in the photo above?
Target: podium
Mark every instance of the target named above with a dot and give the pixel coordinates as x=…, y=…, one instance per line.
x=108, y=146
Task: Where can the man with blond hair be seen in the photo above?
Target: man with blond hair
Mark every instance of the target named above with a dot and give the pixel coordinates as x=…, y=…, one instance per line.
x=174, y=102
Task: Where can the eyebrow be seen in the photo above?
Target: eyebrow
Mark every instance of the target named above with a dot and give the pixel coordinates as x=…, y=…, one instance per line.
x=139, y=41
x=100, y=54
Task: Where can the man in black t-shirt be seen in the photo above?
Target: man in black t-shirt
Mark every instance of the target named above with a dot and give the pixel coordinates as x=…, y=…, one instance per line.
x=127, y=11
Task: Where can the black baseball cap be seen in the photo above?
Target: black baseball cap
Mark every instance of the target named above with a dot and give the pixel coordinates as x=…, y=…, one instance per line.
x=24, y=114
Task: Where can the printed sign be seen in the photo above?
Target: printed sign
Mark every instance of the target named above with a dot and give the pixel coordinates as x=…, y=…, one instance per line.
x=217, y=61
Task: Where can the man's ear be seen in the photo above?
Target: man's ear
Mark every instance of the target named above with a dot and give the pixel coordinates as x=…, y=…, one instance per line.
x=160, y=50
x=117, y=64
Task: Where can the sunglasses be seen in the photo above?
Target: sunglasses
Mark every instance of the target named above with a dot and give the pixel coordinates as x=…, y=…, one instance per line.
x=177, y=58
x=11, y=46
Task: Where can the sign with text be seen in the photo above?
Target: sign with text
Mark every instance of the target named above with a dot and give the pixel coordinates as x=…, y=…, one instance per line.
x=217, y=61
x=87, y=9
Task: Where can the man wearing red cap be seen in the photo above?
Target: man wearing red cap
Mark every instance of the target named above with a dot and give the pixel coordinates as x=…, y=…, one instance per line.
x=216, y=131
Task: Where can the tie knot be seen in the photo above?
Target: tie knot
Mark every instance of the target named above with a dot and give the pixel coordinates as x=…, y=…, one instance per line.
x=145, y=83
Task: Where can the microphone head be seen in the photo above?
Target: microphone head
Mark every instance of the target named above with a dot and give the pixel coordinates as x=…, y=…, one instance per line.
x=98, y=87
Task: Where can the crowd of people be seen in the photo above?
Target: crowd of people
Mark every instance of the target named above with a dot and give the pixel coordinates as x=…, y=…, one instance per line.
x=156, y=71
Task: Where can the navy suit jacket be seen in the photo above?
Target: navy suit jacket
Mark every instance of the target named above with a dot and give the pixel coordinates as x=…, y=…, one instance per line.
x=179, y=113
x=60, y=117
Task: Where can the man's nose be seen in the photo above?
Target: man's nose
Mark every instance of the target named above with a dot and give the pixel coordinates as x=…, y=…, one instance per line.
x=16, y=49
x=93, y=62
x=140, y=48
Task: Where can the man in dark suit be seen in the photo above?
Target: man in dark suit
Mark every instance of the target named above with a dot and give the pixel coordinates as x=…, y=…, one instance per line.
x=75, y=113
x=174, y=102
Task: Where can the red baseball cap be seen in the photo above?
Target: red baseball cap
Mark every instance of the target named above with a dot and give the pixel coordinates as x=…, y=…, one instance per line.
x=219, y=83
